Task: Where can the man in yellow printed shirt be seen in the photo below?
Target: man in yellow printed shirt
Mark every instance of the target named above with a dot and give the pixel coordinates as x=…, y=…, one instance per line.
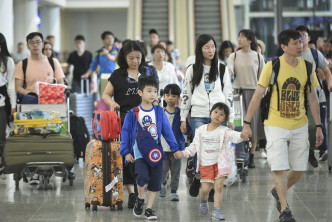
x=286, y=127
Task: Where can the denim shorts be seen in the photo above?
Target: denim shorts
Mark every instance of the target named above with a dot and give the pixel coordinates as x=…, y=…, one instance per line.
x=145, y=174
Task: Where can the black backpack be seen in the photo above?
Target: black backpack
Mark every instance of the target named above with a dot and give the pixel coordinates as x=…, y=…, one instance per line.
x=80, y=135
x=265, y=102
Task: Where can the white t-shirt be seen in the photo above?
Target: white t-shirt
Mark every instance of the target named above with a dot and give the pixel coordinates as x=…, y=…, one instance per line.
x=210, y=146
x=170, y=117
x=167, y=75
x=147, y=120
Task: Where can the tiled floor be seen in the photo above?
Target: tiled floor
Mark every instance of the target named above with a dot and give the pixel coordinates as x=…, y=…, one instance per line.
x=310, y=200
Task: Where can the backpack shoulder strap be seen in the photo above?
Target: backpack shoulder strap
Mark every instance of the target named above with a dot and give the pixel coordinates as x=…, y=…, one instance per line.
x=315, y=55
x=275, y=71
x=274, y=77
x=50, y=60
x=24, y=67
x=259, y=63
x=222, y=69
x=234, y=63
x=136, y=109
x=307, y=84
x=309, y=71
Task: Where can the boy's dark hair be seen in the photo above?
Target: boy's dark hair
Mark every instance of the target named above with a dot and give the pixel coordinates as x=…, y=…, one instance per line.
x=158, y=46
x=33, y=34
x=79, y=38
x=153, y=31
x=303, y=28
x=173, y=89
x=286, y=35
x=147, y=81
x=221, y=106
x=104, y=34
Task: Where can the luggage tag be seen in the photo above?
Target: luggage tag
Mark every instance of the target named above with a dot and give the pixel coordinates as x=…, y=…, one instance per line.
x=111, y=185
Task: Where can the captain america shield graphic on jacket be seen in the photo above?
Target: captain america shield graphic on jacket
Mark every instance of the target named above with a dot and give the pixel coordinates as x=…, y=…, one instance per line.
x=155, y=155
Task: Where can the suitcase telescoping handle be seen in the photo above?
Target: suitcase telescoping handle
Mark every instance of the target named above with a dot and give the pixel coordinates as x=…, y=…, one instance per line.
x=87, y=86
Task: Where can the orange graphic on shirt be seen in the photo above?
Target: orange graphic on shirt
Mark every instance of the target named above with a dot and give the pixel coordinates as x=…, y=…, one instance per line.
x=290, y=98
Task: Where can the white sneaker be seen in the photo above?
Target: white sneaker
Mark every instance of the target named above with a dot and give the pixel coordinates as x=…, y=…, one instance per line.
x=262, y=155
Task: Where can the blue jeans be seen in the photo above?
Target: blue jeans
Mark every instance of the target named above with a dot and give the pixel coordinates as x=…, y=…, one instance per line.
x=196, y=122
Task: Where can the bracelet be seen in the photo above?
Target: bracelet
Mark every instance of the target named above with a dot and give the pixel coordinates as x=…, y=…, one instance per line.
x=319, y=125
x=246, y=122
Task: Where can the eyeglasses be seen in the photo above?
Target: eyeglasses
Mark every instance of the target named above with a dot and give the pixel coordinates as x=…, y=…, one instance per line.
x=304, y=35
x=35, y=43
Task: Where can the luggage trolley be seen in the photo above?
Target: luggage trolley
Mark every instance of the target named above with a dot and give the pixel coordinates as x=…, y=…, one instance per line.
x=43, y=167
x=241, y=149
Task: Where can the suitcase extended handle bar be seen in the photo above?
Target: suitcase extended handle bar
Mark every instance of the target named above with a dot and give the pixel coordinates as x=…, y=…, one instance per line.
x=50, y=164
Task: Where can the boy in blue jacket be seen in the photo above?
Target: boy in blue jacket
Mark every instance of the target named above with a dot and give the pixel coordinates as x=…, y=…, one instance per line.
x=172, y=96
x=140, y=143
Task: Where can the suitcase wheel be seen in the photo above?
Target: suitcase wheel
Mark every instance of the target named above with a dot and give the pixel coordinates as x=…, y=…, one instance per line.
x=119, y=205
x=94, y=204
x=94, y=208
x=87, y=206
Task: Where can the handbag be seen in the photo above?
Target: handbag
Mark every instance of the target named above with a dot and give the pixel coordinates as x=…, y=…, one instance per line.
x=152, y=152
x=50, y=93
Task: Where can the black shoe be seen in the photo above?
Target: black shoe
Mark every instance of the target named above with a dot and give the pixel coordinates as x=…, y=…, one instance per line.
x=211, y=196
x=275, y=195
x=286, y=216
x=131, y=200
x=149, y=214
x=251, y=161
x=138, y=208
x=194, y=188
x=312, y=159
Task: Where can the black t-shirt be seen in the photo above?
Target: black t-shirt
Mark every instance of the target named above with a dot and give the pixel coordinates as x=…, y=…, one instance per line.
x=81, y=63
x=125, y=90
